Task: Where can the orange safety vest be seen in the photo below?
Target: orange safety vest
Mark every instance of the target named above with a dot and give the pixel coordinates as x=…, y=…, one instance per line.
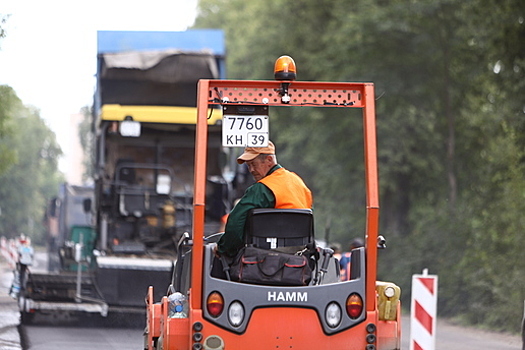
x=289, y=190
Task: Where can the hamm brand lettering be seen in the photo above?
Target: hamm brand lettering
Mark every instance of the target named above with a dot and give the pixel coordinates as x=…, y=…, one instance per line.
x=288, y=296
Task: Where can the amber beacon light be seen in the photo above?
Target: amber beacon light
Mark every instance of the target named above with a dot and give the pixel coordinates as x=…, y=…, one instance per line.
x=285, y=68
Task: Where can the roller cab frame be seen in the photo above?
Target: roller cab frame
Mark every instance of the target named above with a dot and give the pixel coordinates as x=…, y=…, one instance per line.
x=284, y=317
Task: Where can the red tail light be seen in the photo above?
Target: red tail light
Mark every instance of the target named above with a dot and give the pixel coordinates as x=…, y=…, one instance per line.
x=215, y=304
x=354, y=306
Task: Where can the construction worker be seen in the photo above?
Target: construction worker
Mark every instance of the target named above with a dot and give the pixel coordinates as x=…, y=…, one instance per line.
x=224, y=218
x=25, y=258
x=336, y=247
x=346, y=258
x=275, y=187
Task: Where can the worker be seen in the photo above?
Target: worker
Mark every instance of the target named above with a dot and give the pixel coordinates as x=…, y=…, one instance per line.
x=25, y=258
x=344, y=263
x=224, y=218
x=275, y=187
x=336, y=247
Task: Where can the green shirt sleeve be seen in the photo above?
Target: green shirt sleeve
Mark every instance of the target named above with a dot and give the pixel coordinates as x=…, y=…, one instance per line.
x=256, y=196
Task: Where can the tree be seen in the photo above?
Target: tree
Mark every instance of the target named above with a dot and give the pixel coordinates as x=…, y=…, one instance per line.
x=86, y=136
x=8, y=100
x=7, y=156
x=3, y=20
x=450, y=85
x=27, y=185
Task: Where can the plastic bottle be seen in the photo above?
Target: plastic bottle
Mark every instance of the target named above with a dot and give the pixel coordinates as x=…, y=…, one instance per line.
x=15, y=287
x=178, y=305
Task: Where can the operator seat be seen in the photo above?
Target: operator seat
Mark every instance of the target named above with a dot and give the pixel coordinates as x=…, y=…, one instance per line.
x=125, y=172
x=270, y=228
x=284, y=230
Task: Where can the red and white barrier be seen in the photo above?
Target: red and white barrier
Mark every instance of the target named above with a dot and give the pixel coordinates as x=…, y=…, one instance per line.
x=9, y=250
x=423, y=312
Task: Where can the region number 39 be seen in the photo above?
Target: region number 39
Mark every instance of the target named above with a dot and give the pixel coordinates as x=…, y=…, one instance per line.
x=241, y=131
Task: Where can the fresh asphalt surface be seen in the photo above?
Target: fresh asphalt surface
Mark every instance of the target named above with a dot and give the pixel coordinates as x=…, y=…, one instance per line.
x=66, y=333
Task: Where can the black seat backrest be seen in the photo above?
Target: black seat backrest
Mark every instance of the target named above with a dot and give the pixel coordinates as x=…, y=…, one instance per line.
x=271, y=228
x=124, y=171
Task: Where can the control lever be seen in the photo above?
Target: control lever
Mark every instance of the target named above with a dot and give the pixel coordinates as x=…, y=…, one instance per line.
x=327, y=255
x=225, y=267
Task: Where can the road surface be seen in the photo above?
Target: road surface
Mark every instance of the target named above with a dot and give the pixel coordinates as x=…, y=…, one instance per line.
x=61, y=334
x=96, y=333
x=454, y=337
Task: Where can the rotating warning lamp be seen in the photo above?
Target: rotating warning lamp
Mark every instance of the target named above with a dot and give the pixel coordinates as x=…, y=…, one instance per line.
x=285, y=69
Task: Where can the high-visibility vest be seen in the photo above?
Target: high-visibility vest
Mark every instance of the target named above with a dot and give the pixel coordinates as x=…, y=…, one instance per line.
x=289, y=190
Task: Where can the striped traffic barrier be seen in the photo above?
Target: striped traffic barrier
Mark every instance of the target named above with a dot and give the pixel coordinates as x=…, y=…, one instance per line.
x=9, y=250
x=13, y=251
x=3, y=247
x=423, y=312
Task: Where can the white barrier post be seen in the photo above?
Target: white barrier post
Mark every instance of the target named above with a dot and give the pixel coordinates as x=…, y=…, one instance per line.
x=423, y=312
x=9, y=251
x=3, y=247
x=13, y=253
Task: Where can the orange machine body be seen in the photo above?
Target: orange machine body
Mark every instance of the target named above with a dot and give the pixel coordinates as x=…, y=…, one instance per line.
x=279, y=317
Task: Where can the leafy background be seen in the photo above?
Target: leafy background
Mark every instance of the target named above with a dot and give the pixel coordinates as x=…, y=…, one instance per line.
x=450, y=86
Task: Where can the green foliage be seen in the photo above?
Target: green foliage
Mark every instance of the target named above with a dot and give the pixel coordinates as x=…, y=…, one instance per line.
x=3, y=20
x=450, y=86
x=9, y=103
x=27, y=185
x=86, y=136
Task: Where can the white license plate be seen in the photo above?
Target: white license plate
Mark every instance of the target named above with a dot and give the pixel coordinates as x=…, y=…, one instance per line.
x=245, y=131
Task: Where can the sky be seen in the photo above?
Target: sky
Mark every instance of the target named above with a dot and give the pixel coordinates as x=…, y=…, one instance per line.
x=49, y=53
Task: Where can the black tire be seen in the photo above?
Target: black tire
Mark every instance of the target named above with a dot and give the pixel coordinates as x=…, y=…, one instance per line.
x=26, y=318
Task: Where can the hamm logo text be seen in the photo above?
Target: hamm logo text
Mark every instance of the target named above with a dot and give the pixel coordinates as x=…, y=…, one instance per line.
x=288, y=296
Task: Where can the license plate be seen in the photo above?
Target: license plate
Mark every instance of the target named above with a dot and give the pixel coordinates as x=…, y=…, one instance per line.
x=245, y=131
